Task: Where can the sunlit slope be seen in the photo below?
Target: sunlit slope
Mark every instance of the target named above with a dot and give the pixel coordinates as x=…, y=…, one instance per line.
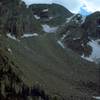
x=43, y=61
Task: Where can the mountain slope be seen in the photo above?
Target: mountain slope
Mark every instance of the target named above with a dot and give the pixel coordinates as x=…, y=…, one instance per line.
x=40, y=57
x=12, y=85
x=43, y=61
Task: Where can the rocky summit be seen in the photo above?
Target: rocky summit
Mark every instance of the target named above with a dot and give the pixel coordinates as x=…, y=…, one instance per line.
x=48, y=53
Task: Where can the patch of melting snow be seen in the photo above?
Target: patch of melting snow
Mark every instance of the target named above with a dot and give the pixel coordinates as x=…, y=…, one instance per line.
x=29, y=35
x=12, y=37
x=37, y=17
x=60, y=43
x=83, y=19
x=98, y=26
x=48, y=29
x=9, y=50
x=95, y=55
x=98, y=40
x=50, y=17
x=96, y=97
x=76, y=38
x=63, y=37
x=87, y=58
x=70, y=18
x=45, y=10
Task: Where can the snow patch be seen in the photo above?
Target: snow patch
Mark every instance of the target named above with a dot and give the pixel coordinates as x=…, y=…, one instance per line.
x=48, y=29
x=83, y=19
x=60, y=43
x=63, y=37
x=76, y=38
x=96, y=97
x=74, y=18
x=12, y=37
x=87, y=58
x=70, y=18
x=9, y=50
x=50, y=18
x=98, y=40
x=37, y=17
x=45, y=10
x=98, y=26
x=29, y=35
x=95, y=55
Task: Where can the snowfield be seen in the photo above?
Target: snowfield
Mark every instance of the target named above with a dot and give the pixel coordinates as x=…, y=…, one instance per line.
x=12, y=37
x=23, y=36
x=29, y=35
x=45, y=10
x=48, y=29
x=87, y=58
x=37, y=17
x=95, y=55
x=96, y=97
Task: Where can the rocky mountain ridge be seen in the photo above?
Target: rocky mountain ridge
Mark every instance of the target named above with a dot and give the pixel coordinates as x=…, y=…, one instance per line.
x=17, y=19
x=31, y=39
x=78, y=31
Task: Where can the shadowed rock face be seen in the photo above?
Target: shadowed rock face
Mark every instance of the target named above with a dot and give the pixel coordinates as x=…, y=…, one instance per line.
x=92, y=25
x=15, y=18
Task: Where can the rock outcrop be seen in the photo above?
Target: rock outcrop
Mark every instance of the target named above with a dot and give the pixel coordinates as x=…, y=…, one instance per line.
x=79, y=30
x=92, y=25
x=16, y=18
